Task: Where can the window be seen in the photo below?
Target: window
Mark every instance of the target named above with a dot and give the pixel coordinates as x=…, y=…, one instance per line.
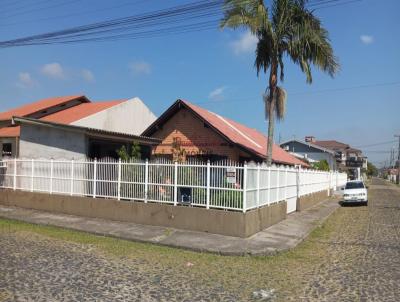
x=354, y=185
x=7, y=149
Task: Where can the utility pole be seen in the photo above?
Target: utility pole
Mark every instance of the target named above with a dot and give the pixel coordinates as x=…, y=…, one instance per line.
x=392, y=158
x=398, y=160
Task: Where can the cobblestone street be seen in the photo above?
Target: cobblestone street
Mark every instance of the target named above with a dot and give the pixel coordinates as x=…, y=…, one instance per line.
x=355, y=256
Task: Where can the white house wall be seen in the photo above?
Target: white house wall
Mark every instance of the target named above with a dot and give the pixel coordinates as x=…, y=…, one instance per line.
x=131, y=117
x=44, y=142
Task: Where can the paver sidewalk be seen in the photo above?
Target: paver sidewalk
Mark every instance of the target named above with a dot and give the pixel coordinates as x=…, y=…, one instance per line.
x=280, y=237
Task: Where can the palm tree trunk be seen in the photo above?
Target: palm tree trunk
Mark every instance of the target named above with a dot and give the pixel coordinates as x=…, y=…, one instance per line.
x=271, y=112
x=271, y=127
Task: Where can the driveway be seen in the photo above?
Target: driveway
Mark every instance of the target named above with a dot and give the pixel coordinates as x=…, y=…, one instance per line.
x=354, y=256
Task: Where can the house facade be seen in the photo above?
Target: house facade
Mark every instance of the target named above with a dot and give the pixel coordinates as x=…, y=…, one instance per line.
x=74, y=127
x=348, y=159
x=310, y=152
x=189, y=131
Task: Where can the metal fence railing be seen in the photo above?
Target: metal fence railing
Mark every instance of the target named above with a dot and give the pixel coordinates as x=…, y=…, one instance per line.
x=226, y=185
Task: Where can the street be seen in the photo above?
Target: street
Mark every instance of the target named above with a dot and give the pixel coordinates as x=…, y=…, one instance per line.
x=354, y=256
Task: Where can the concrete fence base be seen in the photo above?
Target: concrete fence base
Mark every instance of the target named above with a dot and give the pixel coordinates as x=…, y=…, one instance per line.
x=307, y=201
x=223, y=222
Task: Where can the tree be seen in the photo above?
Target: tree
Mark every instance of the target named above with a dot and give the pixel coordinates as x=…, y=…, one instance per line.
x=290, y=30
x=322, y=165
x=371, y=170
x=133, y=155
x=178, y=153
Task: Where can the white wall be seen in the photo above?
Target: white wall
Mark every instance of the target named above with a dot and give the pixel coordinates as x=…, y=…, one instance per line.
x=131, y=117
x=44, y=142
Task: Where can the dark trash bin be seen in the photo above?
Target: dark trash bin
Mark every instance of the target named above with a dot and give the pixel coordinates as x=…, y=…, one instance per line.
x=185, y=195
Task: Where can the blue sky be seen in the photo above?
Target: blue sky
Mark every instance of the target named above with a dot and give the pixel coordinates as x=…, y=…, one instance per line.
x=214, y=69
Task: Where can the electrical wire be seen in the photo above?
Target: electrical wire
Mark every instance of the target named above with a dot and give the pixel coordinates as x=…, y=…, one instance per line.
x=198, y=16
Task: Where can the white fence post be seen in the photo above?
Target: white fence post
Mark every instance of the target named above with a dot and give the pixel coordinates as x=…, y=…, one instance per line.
x=32, y=173
x=94, y=177
x=298, y=177
x=329, y=183
x=72, y=177
x=119, y=180
x=51, y=176
x=269, y=184
x=175, y=183
x=286, y=183
x=336, y=180
x=278, y=184
x=208, y=185
x=258, y=184
x=244, y=188
x=146, y=180
x=15, y=174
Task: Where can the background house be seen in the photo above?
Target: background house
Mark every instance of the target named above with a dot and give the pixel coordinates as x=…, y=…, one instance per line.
x=348, y=159
x=199, y=133
x=310, y=152
x=74, y=127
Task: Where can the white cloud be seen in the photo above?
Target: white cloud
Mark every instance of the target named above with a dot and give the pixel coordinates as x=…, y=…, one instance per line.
x=53, y=70
x=246, y=43
x=366, y=39
x=140, y=67
x=217, y=94
x=25, y=80
x=87, y=75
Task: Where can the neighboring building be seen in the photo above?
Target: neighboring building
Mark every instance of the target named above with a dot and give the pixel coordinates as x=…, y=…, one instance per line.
x=310, y=152
x=347, y=158
x=198, y=133
x=43, y=139
x=392, y=175
x=74, y=127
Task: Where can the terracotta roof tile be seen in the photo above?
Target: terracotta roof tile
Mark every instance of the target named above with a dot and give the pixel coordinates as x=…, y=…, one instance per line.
x=66, y=116
x=78, y=112
x=10, y=131
x=249, y=138
x=331, y=144
x=43, y=104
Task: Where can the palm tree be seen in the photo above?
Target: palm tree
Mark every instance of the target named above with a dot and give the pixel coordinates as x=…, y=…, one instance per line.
x=289, y=30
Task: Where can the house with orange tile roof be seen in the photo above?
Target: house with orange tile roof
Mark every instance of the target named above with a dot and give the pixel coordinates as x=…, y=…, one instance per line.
x=348, y=159
x=202, y=134
x=74, y=127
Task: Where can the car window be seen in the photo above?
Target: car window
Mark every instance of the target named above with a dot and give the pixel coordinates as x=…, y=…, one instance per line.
x=354, y=185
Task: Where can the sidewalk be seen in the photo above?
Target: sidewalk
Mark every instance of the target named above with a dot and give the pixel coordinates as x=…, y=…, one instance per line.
x=282, y=236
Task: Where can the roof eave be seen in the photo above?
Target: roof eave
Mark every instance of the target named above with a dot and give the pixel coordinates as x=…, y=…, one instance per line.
x=86, y=130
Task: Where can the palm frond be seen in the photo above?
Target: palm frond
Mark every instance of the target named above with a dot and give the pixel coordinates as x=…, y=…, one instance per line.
x=265, y=51
x=250, y=14
x=278, y=100
x=308, y=43
x=267, y=104
x=280, y=106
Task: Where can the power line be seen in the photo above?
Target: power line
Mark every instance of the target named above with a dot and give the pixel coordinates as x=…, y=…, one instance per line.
x=247, y=99
x=337, y=4
x=82, y=13
x=137, y=26
x=40, y=8
x=378, y=151
x=197, y=16
x=376, y=144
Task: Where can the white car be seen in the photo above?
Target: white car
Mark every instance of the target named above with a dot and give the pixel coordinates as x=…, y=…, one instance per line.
x=355, y=191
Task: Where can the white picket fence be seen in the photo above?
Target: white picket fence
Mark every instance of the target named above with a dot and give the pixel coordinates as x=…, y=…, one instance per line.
x=225, y=185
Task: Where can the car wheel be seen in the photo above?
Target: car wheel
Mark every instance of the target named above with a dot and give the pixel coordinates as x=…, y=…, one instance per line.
x=366, y=203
